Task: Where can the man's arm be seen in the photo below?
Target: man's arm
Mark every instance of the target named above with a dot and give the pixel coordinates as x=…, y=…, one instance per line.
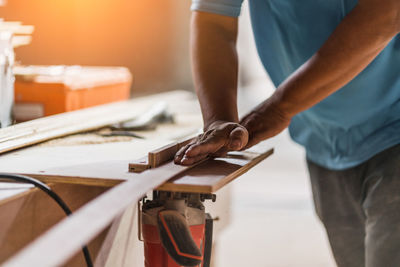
x=215, y=65
x=215, y=71
x=359, y=38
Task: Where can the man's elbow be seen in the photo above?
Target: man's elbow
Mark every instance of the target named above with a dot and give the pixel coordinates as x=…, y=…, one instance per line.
x=390, y=17
x=393, y=17
x=382, y=14
x=397, y=20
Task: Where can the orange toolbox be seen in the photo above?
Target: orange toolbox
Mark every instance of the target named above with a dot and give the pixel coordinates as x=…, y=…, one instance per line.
x=47, y=90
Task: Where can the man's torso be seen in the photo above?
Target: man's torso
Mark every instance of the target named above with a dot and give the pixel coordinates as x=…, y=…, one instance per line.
x=356, y=122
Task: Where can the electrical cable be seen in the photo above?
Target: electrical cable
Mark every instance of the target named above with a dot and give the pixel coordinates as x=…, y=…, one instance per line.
x=54, y=196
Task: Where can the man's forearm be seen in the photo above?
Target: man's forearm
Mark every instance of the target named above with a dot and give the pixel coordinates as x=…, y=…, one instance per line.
x=215, y=66
x=360, y=37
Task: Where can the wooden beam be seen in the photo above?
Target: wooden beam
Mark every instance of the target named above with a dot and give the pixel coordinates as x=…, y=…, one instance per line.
x=162, y=155
x=157, y=157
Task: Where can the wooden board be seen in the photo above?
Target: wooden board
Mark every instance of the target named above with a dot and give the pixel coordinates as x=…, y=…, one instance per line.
x=89, y=221
x=98, y=214
x=98, y=164
x=211, y=175
x=207, y=176
x=36, y=131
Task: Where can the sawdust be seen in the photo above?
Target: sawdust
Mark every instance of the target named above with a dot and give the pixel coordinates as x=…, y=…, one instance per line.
x=85, y=139
x=185, y=125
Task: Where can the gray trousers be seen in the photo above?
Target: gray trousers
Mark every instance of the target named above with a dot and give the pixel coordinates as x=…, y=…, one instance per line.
x=360, y=209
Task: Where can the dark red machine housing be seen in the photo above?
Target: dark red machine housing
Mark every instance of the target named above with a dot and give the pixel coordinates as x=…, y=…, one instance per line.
x=154, y=253
x=176, y=232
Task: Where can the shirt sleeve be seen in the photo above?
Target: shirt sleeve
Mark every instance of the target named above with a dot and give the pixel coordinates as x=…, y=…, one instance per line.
x=222, y=7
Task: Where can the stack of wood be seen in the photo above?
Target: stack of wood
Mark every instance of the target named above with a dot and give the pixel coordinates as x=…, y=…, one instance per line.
x=12, y=34
x=21, y=33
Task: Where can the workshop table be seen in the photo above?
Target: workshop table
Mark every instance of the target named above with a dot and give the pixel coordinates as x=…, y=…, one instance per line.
x=80, y=168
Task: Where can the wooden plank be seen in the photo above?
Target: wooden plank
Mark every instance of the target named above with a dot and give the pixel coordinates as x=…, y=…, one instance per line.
x=207, y=177
x=89, y=220
x=211, y=175
x=98, y=214
x=36, y=131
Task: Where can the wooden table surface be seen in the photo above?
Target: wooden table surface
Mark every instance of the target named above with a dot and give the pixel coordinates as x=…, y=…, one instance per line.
x=76, y=159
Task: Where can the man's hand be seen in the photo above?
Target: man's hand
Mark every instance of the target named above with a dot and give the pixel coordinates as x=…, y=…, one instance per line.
x=217, y=140
x=265, y=121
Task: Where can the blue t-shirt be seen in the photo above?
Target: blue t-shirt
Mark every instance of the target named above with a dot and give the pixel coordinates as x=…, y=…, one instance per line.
x=353, y=124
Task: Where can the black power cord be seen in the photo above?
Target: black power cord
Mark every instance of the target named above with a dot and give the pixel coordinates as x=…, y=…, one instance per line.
x=54, y=196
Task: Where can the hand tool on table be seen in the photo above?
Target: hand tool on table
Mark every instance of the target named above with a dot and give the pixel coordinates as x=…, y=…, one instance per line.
x=149, y=120
x=157, y=114
x=112, y=133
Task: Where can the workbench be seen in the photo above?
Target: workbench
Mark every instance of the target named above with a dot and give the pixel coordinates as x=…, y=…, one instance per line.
x=82, y=167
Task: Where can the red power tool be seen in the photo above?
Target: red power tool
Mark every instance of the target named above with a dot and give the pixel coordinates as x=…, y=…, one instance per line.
x=176, y=230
